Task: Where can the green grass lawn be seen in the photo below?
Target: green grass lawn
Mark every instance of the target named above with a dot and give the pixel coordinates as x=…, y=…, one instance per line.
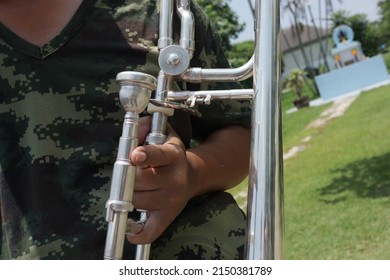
x=337, y=191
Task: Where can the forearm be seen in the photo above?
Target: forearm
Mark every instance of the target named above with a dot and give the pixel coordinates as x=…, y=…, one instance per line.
x=221, y=162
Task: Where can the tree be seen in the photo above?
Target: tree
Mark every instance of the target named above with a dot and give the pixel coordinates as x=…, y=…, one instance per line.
x=227, y=24
x=384, y=11
x=239, y=54
x=339, y=18
x=224, y=18
x=366, y=33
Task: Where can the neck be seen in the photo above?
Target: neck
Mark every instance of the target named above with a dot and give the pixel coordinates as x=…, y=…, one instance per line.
x=37, y=21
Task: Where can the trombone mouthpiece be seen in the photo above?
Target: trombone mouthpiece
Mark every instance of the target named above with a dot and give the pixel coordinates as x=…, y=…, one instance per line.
x=136, y=89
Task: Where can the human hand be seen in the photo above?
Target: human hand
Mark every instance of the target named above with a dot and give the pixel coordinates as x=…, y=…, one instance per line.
x=162, y=183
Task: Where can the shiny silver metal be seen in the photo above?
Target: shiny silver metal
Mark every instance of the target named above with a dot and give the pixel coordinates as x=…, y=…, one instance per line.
x=156, y=136
x=206, y=96
x=142, y=251
x=198, y=75
x=187, y=29
x=265, y=231
x=135, y=92
x=173, y=60
x=165, y=33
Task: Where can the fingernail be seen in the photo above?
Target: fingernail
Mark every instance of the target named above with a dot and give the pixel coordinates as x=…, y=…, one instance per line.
x=139, y=156
x=133, y=227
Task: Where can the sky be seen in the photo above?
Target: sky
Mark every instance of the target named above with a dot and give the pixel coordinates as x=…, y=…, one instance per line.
x=368, y=7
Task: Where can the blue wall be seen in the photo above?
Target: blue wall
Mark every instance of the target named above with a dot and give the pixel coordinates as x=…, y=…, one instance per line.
x=353, y=77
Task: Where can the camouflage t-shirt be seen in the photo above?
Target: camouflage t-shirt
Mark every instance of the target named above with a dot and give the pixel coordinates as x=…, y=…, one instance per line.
x=60, y=121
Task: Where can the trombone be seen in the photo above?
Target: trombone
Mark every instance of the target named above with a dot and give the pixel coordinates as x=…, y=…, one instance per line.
x=265, y=226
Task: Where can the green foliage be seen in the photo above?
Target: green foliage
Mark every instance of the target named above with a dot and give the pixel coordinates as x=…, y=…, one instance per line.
x=372, y=39
x=238, y=55
x=224, y=18
x=384, y=10
x=296, y=81
x=339, y=18
x=366, y=33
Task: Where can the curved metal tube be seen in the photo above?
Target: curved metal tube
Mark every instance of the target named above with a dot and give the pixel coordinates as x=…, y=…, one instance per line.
x=198, y=75
x=187, y=33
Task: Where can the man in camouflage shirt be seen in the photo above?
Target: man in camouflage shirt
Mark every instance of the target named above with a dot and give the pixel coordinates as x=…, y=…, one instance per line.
x=60, y=121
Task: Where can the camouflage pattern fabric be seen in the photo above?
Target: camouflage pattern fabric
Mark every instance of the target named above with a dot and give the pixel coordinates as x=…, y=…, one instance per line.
x=211, y=227
x=60, y=121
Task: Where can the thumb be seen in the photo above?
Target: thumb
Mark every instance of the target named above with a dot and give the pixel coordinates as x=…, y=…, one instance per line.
x=153, y=228
x=158, y=155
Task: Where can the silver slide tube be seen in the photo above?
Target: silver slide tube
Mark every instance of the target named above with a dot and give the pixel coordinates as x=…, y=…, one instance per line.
x=134, y=95
x=165, y=34
x=265, y=232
